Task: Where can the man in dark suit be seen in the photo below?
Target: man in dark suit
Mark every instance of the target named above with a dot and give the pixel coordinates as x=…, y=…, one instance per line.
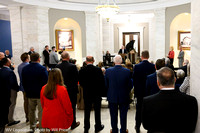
x=46, y=55
x=8, y=81
x=31, y=50
x=34, y=77
x=151, y=83
x=1, y=57
x=123, y=52
x=70, y=76
x=140, y=73
x=92, y=80
x=118, y=82
x=169, y=111
x=7, y=54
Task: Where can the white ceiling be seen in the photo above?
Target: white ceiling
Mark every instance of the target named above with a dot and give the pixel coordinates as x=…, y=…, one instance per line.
x=126, y=6
x=89, y=5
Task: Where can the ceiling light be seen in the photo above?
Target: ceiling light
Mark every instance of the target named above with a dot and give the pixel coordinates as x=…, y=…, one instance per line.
x=106, y=10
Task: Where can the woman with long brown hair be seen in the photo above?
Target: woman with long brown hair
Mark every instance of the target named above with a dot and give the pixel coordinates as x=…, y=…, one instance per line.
x=57, y=109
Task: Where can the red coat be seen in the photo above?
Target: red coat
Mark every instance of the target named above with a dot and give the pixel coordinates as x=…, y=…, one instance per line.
x=171, y=55
x=57, y=113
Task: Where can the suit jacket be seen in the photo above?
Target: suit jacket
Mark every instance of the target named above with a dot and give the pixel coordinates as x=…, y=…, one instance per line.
x=169, y=111
x=140, y=72
x=20, y=67
x=181, y=58
x=70, y=76
x=92, y=80
x=8, y=56
x=118, y=81
x=46, y=57
x=151, y=85
x=120, y=51
x=34, y=76
x=30, y=52
x=53, y=58
x=8, y=81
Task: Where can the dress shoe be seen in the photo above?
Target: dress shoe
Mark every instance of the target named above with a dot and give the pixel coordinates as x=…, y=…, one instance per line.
x=75, y=125
x=86, y=131
x=111, y=130
x=137, y=130
x=13, y=123
x=99, y=129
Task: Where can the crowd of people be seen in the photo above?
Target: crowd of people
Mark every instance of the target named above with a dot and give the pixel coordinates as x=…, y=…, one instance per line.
x=162, y=92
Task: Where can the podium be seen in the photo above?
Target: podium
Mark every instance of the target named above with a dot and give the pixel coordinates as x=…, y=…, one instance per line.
x=132, y=56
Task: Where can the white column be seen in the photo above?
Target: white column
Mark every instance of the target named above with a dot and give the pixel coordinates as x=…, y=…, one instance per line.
x=195, y=58
x=108, y=36
x=93, y=36
x=16, y=33
x=29, y=28
x=159, y=45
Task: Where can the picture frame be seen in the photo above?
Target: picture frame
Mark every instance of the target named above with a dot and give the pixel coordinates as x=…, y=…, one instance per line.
x=184, y=39
x=64, y=39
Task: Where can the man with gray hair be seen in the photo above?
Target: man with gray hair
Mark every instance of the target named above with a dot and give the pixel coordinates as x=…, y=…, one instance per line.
x=31, y=50
x=118, y=82
x=70, y=77
x=169, y=111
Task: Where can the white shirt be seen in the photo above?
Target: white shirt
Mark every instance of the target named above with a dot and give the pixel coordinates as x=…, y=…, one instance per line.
x=167, y=89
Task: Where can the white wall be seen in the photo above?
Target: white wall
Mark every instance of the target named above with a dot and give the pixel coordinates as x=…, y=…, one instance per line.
x=181, y=22
x=72, y=25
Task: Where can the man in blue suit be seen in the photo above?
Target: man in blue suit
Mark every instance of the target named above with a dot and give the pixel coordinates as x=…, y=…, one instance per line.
x=151, y=83
x=34, y=77
x=140, y=73
x=8, y=81
x=118, y=82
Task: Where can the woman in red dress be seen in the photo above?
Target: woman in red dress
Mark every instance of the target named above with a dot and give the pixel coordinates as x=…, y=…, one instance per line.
x=171, y=55
x=57, y=112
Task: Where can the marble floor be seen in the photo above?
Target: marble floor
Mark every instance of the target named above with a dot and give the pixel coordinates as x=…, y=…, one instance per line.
x=105, y=117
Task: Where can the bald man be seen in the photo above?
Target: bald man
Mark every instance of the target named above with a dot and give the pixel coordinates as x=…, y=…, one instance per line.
x=70, y=76
x=169, y=111
x=7, y=54
x=92, y=80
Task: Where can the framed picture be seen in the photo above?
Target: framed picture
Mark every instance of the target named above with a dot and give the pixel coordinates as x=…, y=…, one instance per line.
x=184, y=39
x=65, y=40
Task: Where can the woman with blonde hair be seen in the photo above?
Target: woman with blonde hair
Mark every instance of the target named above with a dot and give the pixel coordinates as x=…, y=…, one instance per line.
x=171, y=55
x=57, y=112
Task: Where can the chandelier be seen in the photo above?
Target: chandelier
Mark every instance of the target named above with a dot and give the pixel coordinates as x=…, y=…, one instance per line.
x=106, y=10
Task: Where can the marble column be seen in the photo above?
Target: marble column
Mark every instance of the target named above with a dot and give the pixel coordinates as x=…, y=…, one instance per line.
x=108, y=36
x=16, y=33
x=29, y=28
x=195, y=58
x=159, y=34
x=94, y=36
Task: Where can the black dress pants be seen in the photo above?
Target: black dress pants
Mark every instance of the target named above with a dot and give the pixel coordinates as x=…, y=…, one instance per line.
x=73, y=99
x=97, y=108
x=138, y=116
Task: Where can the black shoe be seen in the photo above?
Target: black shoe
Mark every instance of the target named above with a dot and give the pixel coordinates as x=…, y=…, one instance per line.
x=86, y=131
x=13, y=123
x=27, y=120
x=75, y=125
x=137, y=129
x=99, y=128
